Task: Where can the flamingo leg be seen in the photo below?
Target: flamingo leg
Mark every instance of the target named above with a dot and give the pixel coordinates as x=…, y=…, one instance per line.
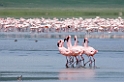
x=94, y=61
x=82, y=59
x=73, y=63
x=70, y=61
x=87, y=61
x=67, y=63
x=90, y=65
x=76, y=59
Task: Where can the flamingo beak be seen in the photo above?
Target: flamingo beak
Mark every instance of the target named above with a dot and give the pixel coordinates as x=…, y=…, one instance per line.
x=85, y=40
x=65, y=39
x=58, y=44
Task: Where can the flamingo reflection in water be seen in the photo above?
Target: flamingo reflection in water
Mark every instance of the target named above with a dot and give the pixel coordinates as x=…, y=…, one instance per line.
x=76, y=52
x=76, y=74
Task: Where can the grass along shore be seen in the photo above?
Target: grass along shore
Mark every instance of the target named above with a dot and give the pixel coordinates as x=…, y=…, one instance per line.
x=61, y=8
x=61, y=12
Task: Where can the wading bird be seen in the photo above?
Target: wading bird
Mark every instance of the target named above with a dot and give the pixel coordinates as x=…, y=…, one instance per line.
x=76, y=51
x=90, y=52
x=66, y=52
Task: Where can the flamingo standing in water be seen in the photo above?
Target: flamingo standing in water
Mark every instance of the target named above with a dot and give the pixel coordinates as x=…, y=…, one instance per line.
x=90, y=52
x=76, y=51
x=79, y=47
x=66, y=52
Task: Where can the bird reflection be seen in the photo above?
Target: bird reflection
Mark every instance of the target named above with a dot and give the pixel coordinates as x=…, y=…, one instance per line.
x=76, y=74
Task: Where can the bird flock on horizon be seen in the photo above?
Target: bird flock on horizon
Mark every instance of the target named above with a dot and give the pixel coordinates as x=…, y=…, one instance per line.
x=41, y=25
x=75, y=53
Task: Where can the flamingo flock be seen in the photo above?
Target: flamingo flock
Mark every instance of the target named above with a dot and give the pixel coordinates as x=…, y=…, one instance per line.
x=74, y=53
x=80, y=24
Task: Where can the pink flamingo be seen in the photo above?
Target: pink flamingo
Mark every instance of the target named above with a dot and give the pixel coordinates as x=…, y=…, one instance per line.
x=79, y=47
x=64, y=51
x=76, y=51
x=90, y=52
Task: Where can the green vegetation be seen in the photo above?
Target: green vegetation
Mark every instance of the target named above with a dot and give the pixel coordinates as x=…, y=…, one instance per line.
x=61, y=3
x=61, y=8
x=38, y=12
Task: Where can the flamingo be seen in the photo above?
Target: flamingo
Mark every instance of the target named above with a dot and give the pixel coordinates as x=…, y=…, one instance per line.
x=79, y=47
x=90, y=52
x=76, y=51
x=64, y=51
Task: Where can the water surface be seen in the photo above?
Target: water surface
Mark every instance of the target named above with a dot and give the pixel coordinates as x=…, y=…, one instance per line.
x=37, y=59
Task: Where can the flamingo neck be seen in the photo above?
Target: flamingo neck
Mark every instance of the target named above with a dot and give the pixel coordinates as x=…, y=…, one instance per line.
x=62, y=44
x=86, y=44
x=69, y=43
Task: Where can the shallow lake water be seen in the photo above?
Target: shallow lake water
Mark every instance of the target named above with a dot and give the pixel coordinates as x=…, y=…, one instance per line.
x=37, y=59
